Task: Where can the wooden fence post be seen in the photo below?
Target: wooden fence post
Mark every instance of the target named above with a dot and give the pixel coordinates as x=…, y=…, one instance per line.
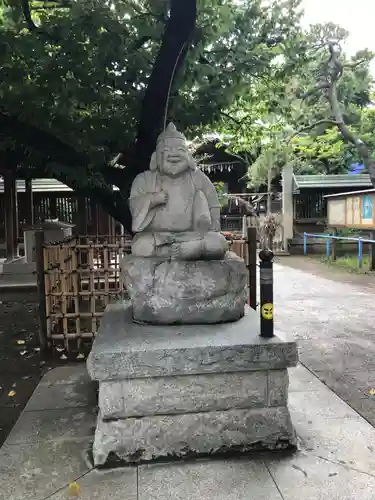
x=372, y=252
x=39, y=254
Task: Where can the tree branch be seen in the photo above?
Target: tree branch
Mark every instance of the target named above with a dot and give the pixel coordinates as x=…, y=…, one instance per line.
x=313, y=125
x=334, y=70
x=29, y=20
x=354, y=65
x=348, y=135
x=52, y=151
x=45, y=142
x=238, y=122
x=313, y=91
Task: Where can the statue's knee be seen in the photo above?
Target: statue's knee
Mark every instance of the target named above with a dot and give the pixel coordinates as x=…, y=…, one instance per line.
x=143, y=246
x=215, y=245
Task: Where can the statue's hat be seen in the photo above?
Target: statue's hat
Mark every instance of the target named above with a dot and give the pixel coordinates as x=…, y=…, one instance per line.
x=171, y=133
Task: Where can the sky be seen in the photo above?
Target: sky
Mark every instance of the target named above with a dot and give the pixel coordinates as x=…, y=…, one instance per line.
x=356, y=16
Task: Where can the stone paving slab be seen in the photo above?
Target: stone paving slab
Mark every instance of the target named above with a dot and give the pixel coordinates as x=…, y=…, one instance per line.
x=216, y=480
x=33, y=471
x=51, y=396
x=118, y=484
x=49, y=448
x=68, y=374
x=333, y=323
x=307, y=477
x=71, y=423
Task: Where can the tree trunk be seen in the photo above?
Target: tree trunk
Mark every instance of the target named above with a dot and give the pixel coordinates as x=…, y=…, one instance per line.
x=269, y=187
x=347, y=134
x=169, y=60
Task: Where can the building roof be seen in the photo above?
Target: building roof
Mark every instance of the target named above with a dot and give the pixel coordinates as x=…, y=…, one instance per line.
x=41, y=186
x=331, y=181
x=349, y=193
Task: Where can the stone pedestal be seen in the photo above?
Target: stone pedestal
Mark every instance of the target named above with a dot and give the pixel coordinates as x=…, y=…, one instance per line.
x=172, y=391
x=186, y=292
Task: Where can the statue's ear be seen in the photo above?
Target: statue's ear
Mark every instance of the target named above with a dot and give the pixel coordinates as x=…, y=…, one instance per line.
x=153, y=162
x=192, y=163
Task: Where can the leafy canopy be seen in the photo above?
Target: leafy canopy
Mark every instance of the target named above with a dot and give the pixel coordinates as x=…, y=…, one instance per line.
x=93, y=75
x=264, y=122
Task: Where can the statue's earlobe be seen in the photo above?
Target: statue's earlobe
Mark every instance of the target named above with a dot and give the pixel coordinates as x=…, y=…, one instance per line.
x=192, y=162
x=153, y=162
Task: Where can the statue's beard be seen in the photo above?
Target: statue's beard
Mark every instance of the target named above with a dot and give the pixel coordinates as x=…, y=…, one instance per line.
x=174, y=169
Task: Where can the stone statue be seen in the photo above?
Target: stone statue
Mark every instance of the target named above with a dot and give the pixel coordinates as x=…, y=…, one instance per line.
x=180, y=270
x=174, y=205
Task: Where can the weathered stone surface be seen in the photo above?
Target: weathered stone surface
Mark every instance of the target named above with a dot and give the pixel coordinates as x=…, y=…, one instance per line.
x=186, y=292
x=174, y=205
x=278, y=383
x=123, y=349
x=182, y=394
x=147, y=438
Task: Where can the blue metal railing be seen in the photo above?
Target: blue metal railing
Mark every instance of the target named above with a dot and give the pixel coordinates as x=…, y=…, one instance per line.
x=329, y=238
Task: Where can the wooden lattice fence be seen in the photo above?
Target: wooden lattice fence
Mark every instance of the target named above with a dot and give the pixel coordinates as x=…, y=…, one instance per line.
x=81, y=276
x=78, y=278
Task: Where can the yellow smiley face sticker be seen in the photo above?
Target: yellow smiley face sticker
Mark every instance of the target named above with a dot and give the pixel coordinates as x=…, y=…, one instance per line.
x=267, y=310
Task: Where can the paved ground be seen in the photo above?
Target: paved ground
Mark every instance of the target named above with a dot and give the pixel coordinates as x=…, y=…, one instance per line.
x=330, y=313
x=21, y=365
x=48, y=450
x=314, y=265
x=334, y=324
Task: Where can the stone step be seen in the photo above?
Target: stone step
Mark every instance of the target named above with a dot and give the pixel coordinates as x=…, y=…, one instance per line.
x=135, y=440
x=120, y=399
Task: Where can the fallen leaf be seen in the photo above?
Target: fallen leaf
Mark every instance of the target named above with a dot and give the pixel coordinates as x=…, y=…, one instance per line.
x=74, y=489
x=20, y=342
x=23, y=353
x=372, y=392
x=11, y=394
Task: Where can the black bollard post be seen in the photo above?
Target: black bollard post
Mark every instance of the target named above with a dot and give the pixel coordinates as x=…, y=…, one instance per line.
x=252, y=265
x=266, y=293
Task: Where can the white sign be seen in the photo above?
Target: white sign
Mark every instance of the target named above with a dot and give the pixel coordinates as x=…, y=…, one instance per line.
x=336, y=212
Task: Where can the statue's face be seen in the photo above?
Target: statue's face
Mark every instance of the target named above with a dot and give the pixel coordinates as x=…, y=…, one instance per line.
x=173, y=157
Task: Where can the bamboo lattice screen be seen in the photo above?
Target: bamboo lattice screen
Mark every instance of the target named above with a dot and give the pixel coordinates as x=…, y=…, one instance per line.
x=81, y=276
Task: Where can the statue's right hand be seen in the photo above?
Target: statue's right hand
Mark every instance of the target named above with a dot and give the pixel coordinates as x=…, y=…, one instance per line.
x=160, y=198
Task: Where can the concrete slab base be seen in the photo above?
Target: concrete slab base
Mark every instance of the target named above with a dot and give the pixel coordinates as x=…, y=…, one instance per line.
x=48, y=450
x=176, y=391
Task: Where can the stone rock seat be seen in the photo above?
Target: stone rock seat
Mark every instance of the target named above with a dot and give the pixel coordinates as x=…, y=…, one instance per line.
x=186, y=292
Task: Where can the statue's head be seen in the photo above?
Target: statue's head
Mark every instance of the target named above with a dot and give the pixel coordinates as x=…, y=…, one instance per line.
x=172, y=156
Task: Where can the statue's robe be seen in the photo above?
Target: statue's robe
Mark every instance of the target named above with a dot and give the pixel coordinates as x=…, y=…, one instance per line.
x=192, y=208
